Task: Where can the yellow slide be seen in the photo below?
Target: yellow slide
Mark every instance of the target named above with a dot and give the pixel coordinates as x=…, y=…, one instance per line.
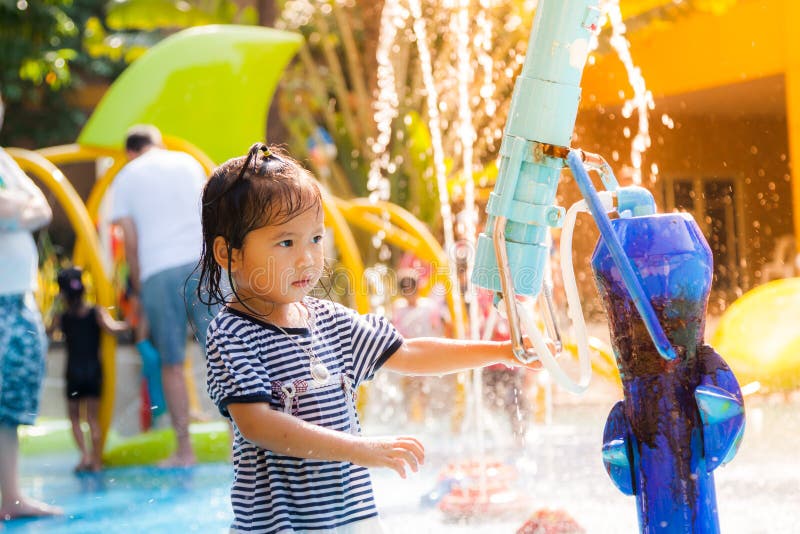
x=759, y=335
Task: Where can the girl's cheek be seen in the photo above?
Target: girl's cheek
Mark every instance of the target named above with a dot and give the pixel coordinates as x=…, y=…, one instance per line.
x=260, y=279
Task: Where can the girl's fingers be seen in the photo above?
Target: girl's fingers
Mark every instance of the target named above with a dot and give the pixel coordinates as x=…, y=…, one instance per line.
x=409, y=452
x=414, y=446
x=399, y=465
x=408, y=458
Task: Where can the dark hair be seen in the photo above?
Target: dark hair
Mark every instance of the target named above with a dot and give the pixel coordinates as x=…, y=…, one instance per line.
x=71, y=284
x=265, y=187
x=407, y=284
x=142, y=136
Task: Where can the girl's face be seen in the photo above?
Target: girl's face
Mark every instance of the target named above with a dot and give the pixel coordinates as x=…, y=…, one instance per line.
x=280, y=264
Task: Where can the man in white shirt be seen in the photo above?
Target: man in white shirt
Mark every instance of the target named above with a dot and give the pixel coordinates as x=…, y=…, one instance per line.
x=157, y=205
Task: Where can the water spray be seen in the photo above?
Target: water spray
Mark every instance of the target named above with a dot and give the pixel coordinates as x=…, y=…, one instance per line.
x=683, y=413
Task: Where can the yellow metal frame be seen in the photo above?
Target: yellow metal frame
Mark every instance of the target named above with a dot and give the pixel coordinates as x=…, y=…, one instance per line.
x=36, y=164
x=406, y=232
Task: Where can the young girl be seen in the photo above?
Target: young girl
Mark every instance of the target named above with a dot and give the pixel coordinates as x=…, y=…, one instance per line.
x=81, y=324
x=284, y=366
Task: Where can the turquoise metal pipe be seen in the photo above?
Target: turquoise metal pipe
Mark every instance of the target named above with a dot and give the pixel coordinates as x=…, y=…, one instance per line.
x=543, y=110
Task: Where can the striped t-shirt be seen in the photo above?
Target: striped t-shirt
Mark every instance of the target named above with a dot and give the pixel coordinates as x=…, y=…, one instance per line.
x=253, y=361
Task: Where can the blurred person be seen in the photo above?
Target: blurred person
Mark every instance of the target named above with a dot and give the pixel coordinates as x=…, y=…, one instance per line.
x=81, y=325
x=157, y=206
x=414, y=315
x=23, y=344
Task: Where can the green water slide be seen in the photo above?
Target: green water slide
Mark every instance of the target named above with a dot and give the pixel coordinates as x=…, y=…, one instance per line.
x=209, y=85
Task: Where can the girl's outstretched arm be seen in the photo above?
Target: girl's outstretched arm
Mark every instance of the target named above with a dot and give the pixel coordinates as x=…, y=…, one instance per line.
x=108, y=323
x=439, y=356
x=291, y=436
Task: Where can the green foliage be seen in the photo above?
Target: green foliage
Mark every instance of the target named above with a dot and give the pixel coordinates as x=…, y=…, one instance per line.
x=41, y=61
x=51, y=49
x=156, y=15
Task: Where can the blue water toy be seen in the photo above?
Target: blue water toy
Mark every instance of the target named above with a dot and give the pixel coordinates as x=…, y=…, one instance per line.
x=683, y=412
x=151, y=373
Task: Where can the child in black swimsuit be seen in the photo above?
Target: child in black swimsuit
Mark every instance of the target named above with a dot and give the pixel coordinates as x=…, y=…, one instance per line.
x=81, y=324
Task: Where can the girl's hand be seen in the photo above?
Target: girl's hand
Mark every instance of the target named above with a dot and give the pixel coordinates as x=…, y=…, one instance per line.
x=396, y=453
x=512, y=360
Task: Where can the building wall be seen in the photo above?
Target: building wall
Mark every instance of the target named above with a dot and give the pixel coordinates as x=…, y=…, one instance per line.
x=752, y=151
x=748, y=40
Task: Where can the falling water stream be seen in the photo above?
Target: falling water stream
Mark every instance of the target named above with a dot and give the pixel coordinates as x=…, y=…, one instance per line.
x=642, y=99
x=473, y=43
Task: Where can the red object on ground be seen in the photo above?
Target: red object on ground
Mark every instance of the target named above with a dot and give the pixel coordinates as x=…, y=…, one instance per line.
x=547, y=521
x=481, y=489
x=145, y=413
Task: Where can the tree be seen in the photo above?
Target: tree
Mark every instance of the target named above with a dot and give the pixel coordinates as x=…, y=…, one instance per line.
x=51, y=49
x=41, y=61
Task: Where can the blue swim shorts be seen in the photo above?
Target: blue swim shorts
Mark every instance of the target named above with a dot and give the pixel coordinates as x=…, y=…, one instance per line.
x=23, y=347
x=170, y=299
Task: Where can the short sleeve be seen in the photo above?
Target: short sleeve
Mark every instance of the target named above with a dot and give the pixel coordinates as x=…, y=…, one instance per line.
x=231, y=375
x=372, y=340
x=120, y=207
x=13, y=178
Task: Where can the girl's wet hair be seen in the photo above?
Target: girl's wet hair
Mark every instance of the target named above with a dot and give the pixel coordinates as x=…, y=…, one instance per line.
x=265, y=187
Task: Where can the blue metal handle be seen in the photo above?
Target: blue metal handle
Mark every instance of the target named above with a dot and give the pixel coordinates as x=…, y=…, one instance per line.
x=629, y=275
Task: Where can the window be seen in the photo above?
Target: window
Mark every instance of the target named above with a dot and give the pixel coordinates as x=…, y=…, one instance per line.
x=715, y=203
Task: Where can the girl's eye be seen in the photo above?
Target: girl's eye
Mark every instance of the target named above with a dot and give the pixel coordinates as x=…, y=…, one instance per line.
x=316, y=239
x=285, y=243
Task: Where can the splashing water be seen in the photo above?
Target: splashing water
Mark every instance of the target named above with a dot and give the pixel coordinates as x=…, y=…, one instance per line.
x=432, y=99
x=466, y=79
x=642, y=99
x=386, y=107
x=466, y=135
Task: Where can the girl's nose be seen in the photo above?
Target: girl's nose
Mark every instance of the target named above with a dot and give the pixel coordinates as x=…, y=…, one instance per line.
x=306, y=259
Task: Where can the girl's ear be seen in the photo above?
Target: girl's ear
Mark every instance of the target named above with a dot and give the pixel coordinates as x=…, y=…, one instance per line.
x=221, y=254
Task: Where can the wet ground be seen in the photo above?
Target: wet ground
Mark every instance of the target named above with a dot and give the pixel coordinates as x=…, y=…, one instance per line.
x=558, y=467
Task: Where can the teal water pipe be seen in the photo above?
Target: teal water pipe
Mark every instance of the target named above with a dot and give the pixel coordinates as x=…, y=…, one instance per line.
x=521, y=209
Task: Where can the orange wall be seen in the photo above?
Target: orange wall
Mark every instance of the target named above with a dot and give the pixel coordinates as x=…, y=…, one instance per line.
x=698, y=52
x=753, y=39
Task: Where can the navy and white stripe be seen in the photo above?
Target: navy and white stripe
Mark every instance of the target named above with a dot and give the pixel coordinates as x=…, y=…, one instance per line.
x=275, y=493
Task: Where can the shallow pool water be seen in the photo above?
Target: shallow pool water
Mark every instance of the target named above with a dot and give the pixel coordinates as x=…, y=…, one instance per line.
x=559, y=467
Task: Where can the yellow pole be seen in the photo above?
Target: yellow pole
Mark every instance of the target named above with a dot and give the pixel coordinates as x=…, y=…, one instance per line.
x=63, y=154
x=88, y=249
x=405, y=230
x=348, y=250
x=76, y=212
